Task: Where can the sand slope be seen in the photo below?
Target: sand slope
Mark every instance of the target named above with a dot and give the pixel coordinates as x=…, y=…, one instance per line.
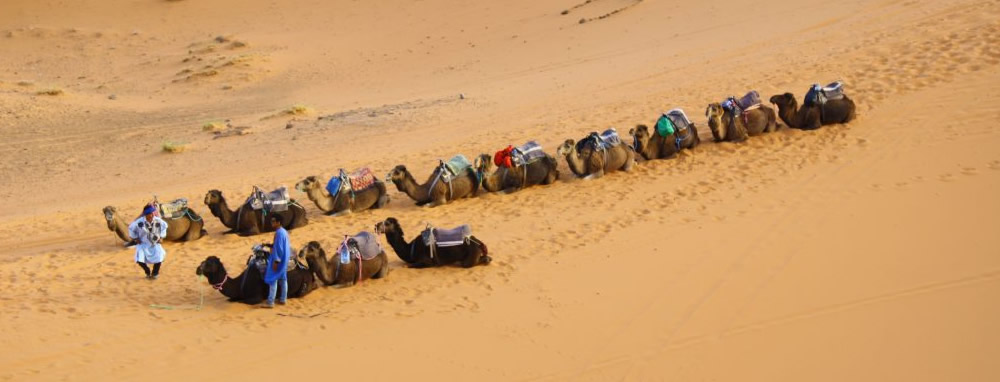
x=864, y=251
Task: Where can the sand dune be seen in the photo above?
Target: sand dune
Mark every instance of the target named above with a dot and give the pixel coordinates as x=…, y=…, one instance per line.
x=856, y=252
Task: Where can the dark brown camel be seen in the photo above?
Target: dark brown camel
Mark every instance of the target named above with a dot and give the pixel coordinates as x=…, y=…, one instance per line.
x=247, y=221
x=813, y=116
x=249, y=287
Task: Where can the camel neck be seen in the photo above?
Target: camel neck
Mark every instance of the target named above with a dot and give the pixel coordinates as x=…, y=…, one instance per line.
x=224, y=213
x=416, y=191
x=322, y=267
x=399, y=245
x=575, y=163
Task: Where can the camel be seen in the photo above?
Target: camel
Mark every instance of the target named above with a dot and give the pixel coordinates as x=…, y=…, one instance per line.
x=726, y=128
x=416, y=254
x=511, y=179
x=462, y=186
x=655, y=146
x=249, y=287
x=346, y=201
x=246, y=221
x=332, y=272
x=190, y=227
x=811, y=117
x=593, y=163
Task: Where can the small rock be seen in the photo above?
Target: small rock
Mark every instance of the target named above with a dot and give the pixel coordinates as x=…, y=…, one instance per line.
x=583, y=21
x=461, y=95
x=565, y=12
x=227, y=87
x=221, y=39
x=112, y=97
x=289, y=125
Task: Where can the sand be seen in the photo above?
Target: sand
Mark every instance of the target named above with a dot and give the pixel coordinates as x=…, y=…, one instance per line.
x=865, y=251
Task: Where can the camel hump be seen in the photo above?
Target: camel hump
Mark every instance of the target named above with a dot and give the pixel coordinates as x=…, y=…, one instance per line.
x=818, y=95
x=528, y=153
x=274, y=201
x=446, y=237
x=364, y=244
x=175, y=209
x=605, y=140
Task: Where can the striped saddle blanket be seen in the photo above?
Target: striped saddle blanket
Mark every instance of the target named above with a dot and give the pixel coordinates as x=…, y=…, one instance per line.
x=607, y=139
x=175, y=209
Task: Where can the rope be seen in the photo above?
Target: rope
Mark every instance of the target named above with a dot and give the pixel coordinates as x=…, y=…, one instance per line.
x=201, y=302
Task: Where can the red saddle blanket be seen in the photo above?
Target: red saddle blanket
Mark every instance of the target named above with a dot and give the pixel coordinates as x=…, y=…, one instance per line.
x=362, y=179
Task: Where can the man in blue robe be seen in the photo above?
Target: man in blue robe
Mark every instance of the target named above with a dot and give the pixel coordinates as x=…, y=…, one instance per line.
x=148, y=232
x=277, y=263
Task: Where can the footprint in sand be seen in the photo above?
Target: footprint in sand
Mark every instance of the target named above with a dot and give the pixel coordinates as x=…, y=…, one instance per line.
x=947, y=178
x=970, y=171
x=995, y=165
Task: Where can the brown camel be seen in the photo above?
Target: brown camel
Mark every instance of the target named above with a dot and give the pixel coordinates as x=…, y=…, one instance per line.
x=592, y=162
x=511, y=179
x=247, y=221
x=435, y=191
x=332, y=272
x=346, y=201
x=729, y=128
x=189, y=227
x=810, y=117
x=655, y=146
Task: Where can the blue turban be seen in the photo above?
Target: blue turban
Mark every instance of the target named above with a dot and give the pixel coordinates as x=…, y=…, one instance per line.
x=148, y=210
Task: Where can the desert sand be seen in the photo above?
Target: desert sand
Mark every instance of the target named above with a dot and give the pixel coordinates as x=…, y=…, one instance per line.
x=866, y=251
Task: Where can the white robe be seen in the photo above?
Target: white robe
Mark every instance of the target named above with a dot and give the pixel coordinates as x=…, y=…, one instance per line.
x=148, y=250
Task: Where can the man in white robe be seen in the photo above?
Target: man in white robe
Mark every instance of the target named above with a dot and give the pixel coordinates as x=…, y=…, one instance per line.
x=149, y=231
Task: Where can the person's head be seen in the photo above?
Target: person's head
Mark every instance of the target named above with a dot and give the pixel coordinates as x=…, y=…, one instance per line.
x=274, y=220
x=148, y=212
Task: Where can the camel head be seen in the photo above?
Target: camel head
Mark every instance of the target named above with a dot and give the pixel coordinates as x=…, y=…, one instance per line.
x=390, y=225
x=211, y=266
x=640, y=137
x=311, y=251
x=714, y=113
x=307, y=184
x=109, y=216
x=567, y=148
x=784, y=101
x=213, y=197
x=483, y=163
x=398, y=175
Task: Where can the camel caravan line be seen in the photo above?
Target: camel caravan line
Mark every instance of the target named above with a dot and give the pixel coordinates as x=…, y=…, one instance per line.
x=361, y=257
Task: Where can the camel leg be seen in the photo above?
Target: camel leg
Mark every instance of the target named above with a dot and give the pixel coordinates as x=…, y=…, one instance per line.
x=382, y=271
x=472, y=259
x=595, y=175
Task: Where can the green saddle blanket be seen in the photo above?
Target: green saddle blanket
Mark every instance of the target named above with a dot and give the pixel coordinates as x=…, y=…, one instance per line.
x=458, y=164
x=664, y=126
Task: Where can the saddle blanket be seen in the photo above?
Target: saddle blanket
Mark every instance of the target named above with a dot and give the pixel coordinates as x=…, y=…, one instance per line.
x=748, y=102
x=679, y=119
x=174, y=210
x=458, y=164
x=607, y=139
x=274, y=201
x=360, y=180
x=820, y=94
x=446, y=237
x=364, y=245
x=527, y=153
x=258, y=260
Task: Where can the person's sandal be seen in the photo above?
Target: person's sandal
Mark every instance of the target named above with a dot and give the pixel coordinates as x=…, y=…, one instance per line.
x=267, y=306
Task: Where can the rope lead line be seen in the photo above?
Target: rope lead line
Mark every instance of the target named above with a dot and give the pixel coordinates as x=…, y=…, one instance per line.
x=201, y=302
